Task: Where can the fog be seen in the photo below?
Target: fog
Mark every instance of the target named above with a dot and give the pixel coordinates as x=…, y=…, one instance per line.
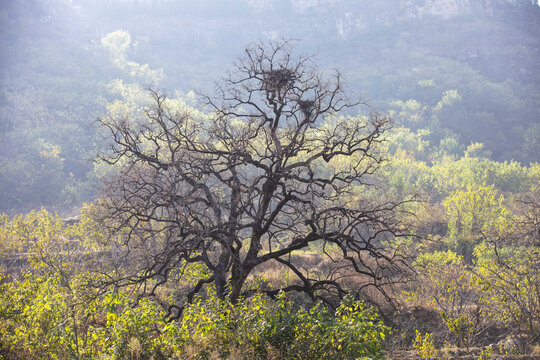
x=466, y=70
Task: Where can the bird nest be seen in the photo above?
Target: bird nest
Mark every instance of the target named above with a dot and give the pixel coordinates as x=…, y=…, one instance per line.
x=306, y=107
x=276, y=80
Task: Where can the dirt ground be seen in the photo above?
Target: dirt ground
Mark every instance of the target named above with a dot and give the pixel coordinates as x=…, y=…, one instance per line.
x=472, y=354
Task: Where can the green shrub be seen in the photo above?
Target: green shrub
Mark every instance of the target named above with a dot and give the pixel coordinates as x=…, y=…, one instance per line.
x=258, y=325
x=41, y=318
x=424, y=345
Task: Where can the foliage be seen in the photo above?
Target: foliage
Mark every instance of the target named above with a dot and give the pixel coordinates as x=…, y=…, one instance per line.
x=462, y=327
x=472, y=213
x=461, y=86
x=272, y=170
x=447, y=283
x=510, y=282
x=485, y=355
x=467, y=133
x=43, y=317
x=424, y=345
x=53, y=310
x=46, y=310
x=40, y=317
x=256, y=326
x=478, y=269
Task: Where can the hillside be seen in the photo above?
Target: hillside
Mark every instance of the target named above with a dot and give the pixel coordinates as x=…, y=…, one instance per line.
x=467, y=71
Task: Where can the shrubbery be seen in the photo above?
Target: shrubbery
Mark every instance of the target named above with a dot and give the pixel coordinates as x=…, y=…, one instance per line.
x=48, y=311
x=40, y=318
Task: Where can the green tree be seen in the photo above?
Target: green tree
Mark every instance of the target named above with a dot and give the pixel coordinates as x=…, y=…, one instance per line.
x=474, y=214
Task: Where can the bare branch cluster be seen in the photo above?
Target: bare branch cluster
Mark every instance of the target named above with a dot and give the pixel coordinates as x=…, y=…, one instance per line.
x=274, y=170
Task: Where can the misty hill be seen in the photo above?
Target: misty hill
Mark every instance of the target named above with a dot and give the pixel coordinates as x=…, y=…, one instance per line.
x=466, y=70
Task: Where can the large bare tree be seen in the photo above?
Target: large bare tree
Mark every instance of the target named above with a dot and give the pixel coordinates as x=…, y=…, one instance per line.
x=271, y=170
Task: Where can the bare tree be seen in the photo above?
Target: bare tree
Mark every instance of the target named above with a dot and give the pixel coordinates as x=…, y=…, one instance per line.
x=273, y=170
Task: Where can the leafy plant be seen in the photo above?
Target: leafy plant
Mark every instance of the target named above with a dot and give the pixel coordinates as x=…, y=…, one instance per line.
x=485, y=355
x=424, y=345
x=461, y=326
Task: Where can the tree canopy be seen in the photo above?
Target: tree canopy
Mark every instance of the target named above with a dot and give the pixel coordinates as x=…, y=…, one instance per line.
x=272, y=170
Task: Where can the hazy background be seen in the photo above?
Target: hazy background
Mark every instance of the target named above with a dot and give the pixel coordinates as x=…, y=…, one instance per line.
x=465, y=70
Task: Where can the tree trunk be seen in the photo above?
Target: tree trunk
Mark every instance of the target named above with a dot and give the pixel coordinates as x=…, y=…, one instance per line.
x=238, y=278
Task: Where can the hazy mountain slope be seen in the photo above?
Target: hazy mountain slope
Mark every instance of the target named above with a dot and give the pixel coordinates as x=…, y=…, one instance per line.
x=468, y=70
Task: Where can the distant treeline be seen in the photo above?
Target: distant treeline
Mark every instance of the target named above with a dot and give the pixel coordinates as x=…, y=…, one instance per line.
x=465, y=76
